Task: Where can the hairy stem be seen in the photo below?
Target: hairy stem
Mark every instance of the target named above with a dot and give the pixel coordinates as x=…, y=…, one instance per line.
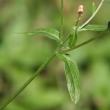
x=28, y=82
x=93, y=15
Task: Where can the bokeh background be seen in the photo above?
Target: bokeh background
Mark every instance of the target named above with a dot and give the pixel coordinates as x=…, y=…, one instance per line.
x=21, y=56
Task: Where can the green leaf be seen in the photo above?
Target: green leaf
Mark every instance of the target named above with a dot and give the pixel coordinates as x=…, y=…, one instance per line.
x=72, y=39
x=94, y=28
x=72, y=77
x=48, y=32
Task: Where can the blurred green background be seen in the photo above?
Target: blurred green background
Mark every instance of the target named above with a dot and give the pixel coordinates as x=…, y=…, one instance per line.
x=21, y=56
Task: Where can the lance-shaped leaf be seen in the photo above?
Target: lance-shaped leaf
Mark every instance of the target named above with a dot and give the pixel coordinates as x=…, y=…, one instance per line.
x=72, y=77
x=48, y=32
x=73, y=38
x=95, y=28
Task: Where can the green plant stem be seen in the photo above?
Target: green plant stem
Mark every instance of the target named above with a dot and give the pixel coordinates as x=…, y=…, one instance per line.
x=82, y=44
x=62, y=20
x=93, y=15
x=28, y=82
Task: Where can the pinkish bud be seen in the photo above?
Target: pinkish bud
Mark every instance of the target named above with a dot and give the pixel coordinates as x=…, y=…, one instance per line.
x=80, y=9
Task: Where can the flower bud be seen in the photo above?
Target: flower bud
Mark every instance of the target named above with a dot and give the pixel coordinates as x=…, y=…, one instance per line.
x=80, y=9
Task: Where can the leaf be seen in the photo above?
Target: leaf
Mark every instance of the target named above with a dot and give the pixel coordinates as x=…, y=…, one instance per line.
x=94, y=28
x=72, y=39
x=72, y=77
x=48, y=32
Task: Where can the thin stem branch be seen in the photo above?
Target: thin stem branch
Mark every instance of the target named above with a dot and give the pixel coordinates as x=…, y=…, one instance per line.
x=62, y=19
x=28, y=82
x=82, y=44
x=93, y=15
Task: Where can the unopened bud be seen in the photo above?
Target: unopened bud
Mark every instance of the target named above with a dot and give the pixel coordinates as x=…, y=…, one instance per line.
x=80, y=9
